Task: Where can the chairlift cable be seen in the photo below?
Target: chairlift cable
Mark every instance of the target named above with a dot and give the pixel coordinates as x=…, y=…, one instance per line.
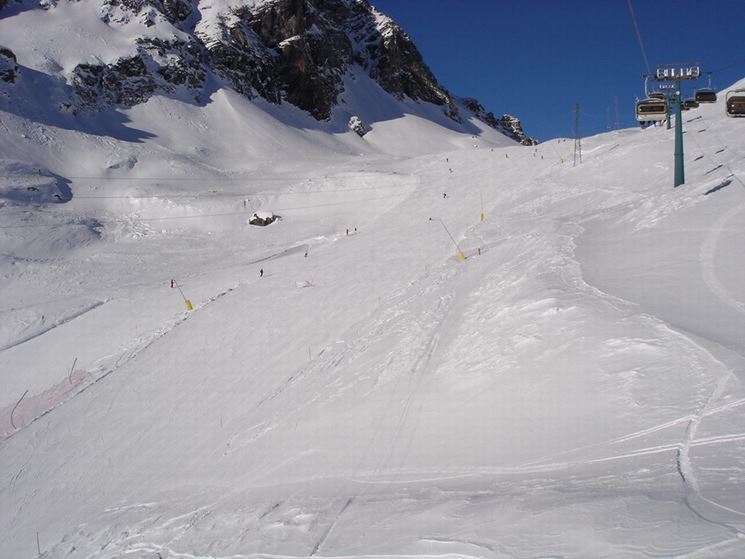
x=187, y=179
x=199, y=216
x=239, y=195
x=639, y=36
x=728, y=66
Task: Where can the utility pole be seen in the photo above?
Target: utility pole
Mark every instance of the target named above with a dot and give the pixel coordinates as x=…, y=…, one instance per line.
x=577, y=140
x=617, y=121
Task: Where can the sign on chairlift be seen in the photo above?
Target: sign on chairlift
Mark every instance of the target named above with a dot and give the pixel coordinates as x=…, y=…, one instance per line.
x=674, y=73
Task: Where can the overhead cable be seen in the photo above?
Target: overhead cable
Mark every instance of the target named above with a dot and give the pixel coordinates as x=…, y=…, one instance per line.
x=638, y=36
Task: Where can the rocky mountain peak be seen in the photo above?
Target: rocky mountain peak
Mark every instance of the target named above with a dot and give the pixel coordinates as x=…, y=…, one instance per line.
x=293, y=51
x=509, y=125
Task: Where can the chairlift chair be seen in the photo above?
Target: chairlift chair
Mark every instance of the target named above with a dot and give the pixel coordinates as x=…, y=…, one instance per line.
x=705, y=95
x=690, y=104
x=735, y=103
x=651, y=110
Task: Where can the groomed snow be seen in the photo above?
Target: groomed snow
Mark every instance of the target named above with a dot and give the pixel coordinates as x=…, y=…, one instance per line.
x=573, y=388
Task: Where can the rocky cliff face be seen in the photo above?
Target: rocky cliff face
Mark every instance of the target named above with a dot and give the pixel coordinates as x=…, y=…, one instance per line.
x=299, y=51
x=293, y=51
x=157, y=65
x=509, y=125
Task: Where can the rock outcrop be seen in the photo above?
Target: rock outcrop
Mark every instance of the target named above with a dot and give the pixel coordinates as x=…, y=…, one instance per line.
x=299, y=50
x=508, y=125
x=262, y=218
x=357, y=126
x=8, y=65
x=158, y=65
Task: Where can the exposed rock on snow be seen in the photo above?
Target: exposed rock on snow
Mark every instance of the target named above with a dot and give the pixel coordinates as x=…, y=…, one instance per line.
x=509, y=125
x=8, y=65
x=159, y=65
x=262, y=218
x=126, y=82
x=22, y=185
x=121, y=11
x=357, y=126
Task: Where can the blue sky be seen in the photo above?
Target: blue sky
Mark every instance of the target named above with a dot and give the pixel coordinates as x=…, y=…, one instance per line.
x=536, y=58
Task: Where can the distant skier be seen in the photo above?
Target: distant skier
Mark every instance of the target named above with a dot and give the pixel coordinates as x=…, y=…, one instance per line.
x=173, y=284
x=444, y=194
x=261, y=273
x=306, y=253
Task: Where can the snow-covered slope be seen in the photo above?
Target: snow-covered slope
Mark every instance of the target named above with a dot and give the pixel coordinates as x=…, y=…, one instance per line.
x=345, y=385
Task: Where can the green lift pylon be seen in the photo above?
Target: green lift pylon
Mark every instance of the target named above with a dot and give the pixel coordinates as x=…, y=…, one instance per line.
x=676, y=74
x=679, y=166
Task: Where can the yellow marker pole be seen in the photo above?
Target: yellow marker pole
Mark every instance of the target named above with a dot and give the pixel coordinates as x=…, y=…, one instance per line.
x=461, y=256
x=189, y=306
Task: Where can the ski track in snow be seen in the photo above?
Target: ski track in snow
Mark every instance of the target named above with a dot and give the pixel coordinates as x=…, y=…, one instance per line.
x=406, y=387
x=707, y=254
x=330, y=528
x=55, y=324
x=124, y=358
x=420, y=321
x=696, y=500
x=64, y=392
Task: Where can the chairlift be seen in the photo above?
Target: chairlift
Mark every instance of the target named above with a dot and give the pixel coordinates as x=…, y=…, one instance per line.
x=705, y=95
x=735, y=103
x=690, y=104
x=657, y=95
x=651, y=110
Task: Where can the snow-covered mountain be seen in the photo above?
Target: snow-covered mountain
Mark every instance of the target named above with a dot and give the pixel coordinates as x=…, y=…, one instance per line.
x=448, y=345
x=308, y=53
